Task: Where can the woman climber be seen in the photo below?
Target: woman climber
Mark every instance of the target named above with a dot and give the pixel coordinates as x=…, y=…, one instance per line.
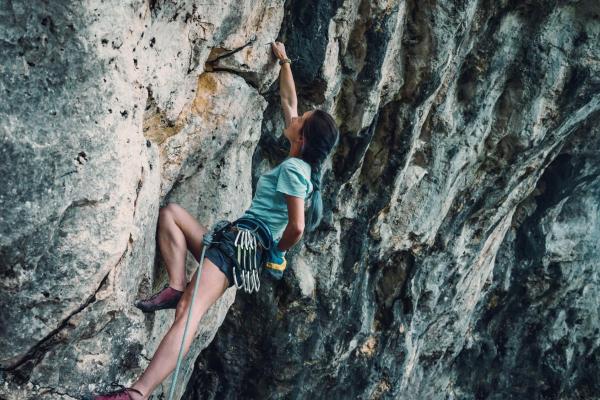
x=274, y=222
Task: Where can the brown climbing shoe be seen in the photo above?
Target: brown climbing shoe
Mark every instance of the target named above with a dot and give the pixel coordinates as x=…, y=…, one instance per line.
x=166, y=298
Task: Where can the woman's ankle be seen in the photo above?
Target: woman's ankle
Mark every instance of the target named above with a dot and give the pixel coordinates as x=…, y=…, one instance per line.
x=178, y=286
x=136, y=396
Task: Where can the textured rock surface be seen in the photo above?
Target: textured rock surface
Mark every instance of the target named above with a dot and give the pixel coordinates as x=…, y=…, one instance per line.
x=111, y=115
x=539, y=318
x=450, y=113
x=457, y=258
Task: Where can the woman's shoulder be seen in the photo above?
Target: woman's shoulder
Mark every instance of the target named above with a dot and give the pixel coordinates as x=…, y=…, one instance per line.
x=295, y=177
x=296, y=164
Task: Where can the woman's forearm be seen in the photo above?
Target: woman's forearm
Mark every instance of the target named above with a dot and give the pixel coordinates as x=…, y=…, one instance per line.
x=287, y=89
x=291, y=235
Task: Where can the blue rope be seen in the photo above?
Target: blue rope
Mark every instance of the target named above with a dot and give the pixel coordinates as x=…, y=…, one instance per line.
x=207, y=239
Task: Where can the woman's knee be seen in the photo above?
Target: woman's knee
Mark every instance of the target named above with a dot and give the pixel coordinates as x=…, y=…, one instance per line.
x=171, y=212
x=168, y=210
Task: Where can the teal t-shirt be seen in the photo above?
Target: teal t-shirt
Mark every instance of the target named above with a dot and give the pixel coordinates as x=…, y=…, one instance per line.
x=291, y=177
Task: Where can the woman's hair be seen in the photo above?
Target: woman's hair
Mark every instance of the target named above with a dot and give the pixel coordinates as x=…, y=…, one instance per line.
x=320, y=134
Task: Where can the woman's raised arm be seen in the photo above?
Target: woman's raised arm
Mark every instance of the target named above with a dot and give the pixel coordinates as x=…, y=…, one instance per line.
x=287, y=89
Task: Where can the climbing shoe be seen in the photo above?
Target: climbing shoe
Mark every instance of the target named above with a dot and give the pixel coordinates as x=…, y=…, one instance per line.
x=121, y=394
x=276, y=262
x=166, y=298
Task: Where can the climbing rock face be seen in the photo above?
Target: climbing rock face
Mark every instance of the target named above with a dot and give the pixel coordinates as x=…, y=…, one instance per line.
x=107, y=114
x=539, y=316
x=457, y=255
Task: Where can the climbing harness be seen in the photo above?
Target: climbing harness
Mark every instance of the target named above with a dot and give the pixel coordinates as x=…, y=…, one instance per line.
x=251, y=234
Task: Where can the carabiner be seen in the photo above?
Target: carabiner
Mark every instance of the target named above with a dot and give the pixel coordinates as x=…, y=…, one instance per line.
x=237, y=284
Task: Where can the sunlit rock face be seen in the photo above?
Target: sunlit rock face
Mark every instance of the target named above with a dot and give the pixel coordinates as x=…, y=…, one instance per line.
x=108, y=113
x=457, y=255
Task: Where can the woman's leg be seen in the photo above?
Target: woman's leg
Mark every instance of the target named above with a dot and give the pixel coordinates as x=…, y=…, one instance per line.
x=178, y=231
x=212, y=285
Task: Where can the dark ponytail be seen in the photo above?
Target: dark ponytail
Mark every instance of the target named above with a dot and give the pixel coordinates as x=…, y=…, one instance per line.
x=320, y=137
x=315, y=211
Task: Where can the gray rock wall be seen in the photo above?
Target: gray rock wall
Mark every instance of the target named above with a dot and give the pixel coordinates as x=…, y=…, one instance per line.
x=108, y=113
x=450, y=112
x=539, y=316
x=457, y=254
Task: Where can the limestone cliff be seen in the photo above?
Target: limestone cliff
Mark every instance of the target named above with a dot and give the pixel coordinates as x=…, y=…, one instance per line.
x=457, y=257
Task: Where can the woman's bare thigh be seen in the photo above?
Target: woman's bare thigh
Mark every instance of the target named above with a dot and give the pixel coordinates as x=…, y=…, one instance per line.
x=212, y=285
x=191, y=228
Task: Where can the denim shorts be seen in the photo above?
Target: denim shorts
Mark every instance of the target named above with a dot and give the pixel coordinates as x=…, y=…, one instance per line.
x=222, y=253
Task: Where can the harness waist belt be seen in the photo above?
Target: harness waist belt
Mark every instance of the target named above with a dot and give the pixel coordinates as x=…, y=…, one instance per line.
x=258, y=226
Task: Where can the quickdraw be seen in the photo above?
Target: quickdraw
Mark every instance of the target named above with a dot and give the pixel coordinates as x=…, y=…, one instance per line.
x=250, y=235
x=245, y=243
